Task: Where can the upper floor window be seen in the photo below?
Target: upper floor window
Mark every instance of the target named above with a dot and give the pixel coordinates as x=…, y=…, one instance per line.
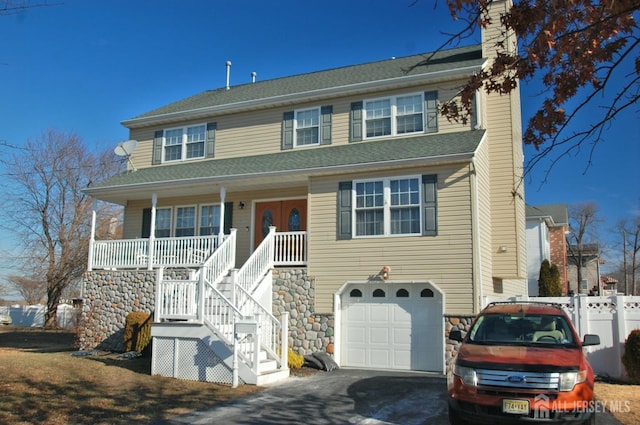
x=394, y=115
x=412, y=113
x=184, y=143
x=307, y=127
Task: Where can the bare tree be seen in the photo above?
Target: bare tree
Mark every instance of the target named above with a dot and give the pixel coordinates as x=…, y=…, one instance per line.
x=11, y=7
x=630, y=233
x=49, y=211
x=583, y=221
x=32, y=290
x=585, y=53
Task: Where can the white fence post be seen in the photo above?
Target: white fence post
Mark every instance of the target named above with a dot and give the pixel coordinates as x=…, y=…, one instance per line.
x=92, y=241
x=284, y=355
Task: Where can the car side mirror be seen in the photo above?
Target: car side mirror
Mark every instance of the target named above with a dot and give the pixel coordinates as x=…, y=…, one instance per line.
x=455, y=335
x=590, y=340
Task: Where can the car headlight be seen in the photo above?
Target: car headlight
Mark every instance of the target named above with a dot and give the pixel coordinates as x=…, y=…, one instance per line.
x=568, y=380
x=467, y=374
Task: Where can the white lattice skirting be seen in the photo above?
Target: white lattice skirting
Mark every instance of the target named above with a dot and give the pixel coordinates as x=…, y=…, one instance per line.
x=188, y=358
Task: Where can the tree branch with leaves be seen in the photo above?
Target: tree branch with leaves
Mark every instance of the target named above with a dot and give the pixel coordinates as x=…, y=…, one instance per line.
x=585, y=54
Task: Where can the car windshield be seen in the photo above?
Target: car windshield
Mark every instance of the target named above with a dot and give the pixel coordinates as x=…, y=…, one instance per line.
x=530, y=329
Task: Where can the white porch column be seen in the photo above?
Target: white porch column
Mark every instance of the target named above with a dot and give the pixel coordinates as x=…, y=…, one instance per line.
x=92, y=239
x=152, y=231
x=223, y=194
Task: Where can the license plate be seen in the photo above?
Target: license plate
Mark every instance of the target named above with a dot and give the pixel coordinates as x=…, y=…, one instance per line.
x=520, y=407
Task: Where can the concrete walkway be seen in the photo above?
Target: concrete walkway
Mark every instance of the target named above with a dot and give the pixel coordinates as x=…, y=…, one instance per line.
x=344, y=396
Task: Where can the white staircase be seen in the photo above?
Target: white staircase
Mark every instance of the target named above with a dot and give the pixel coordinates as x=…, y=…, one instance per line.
x=217, y=325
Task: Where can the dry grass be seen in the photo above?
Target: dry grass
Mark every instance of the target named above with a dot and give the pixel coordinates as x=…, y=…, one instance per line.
x=622, y=400
x=39, y=386
x=42, y=383
x=57, y=388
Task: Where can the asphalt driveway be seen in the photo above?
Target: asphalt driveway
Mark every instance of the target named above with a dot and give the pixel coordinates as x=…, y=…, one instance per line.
x=343, y=396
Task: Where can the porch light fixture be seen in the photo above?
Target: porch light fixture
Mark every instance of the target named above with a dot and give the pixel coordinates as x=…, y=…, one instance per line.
x=241, y=205
x=503, y=248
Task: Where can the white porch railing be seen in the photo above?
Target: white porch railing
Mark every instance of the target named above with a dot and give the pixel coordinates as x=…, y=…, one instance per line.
x=258, y=264
x=290, y=248
x=287, y=249
x=189, y=251
x=199, y=299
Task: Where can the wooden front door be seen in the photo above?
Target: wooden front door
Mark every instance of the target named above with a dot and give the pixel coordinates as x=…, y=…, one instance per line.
x=287, y=216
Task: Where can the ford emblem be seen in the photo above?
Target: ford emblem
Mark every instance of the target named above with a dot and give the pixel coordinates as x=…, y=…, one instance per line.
x=516, y=379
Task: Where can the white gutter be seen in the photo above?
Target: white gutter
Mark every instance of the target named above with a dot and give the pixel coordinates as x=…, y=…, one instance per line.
x=306, y=95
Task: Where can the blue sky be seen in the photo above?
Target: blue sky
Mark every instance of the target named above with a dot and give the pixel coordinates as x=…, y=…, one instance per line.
x=85, y=65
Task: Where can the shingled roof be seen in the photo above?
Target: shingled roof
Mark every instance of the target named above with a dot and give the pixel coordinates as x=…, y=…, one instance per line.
x=462, y=58
x=447, y=147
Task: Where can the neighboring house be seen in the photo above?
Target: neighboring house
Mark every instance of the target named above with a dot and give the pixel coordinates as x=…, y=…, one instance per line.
x=546, y=240
x=391, y=223
x=591, y=279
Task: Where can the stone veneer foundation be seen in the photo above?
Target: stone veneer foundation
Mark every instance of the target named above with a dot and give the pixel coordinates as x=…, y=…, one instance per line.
x=110, y=295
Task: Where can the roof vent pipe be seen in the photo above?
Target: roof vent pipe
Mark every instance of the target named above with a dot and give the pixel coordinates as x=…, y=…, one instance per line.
x=228, y=73
x=253, y=77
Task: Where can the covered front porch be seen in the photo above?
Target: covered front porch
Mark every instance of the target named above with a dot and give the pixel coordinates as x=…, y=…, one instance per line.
x=290, y=249
x=158, y=248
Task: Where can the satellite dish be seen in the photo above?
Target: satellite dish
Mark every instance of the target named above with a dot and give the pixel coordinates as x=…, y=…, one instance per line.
x=126, y=148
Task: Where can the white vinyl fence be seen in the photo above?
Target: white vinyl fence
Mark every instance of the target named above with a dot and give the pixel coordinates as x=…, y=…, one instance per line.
x=612, y=318
x=33, y=315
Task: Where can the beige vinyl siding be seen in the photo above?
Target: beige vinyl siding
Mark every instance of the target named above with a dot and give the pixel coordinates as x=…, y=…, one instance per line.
x=445, y=260
x=260, y=132
x=484, y=222
x=503, y=152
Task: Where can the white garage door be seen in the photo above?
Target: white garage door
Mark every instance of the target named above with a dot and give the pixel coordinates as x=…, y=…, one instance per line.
x=392, y=326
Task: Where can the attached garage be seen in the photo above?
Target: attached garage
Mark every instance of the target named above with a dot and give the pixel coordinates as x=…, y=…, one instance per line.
x=392, y=325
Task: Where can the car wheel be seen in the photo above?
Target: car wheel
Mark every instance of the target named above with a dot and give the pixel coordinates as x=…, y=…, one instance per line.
x=454, y=419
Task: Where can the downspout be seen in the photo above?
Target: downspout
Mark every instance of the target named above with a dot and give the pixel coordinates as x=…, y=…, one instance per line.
x=152, y=231
x=475, y=219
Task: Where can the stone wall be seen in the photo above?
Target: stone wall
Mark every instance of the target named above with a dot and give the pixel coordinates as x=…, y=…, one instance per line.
x=108, y=297
x=294, y=292
x=462, y=323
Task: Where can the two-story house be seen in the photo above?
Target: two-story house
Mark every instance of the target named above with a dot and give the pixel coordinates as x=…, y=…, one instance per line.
x=337, y=208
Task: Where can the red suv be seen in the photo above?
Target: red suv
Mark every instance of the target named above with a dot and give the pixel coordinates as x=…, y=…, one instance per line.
x=521, y=362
